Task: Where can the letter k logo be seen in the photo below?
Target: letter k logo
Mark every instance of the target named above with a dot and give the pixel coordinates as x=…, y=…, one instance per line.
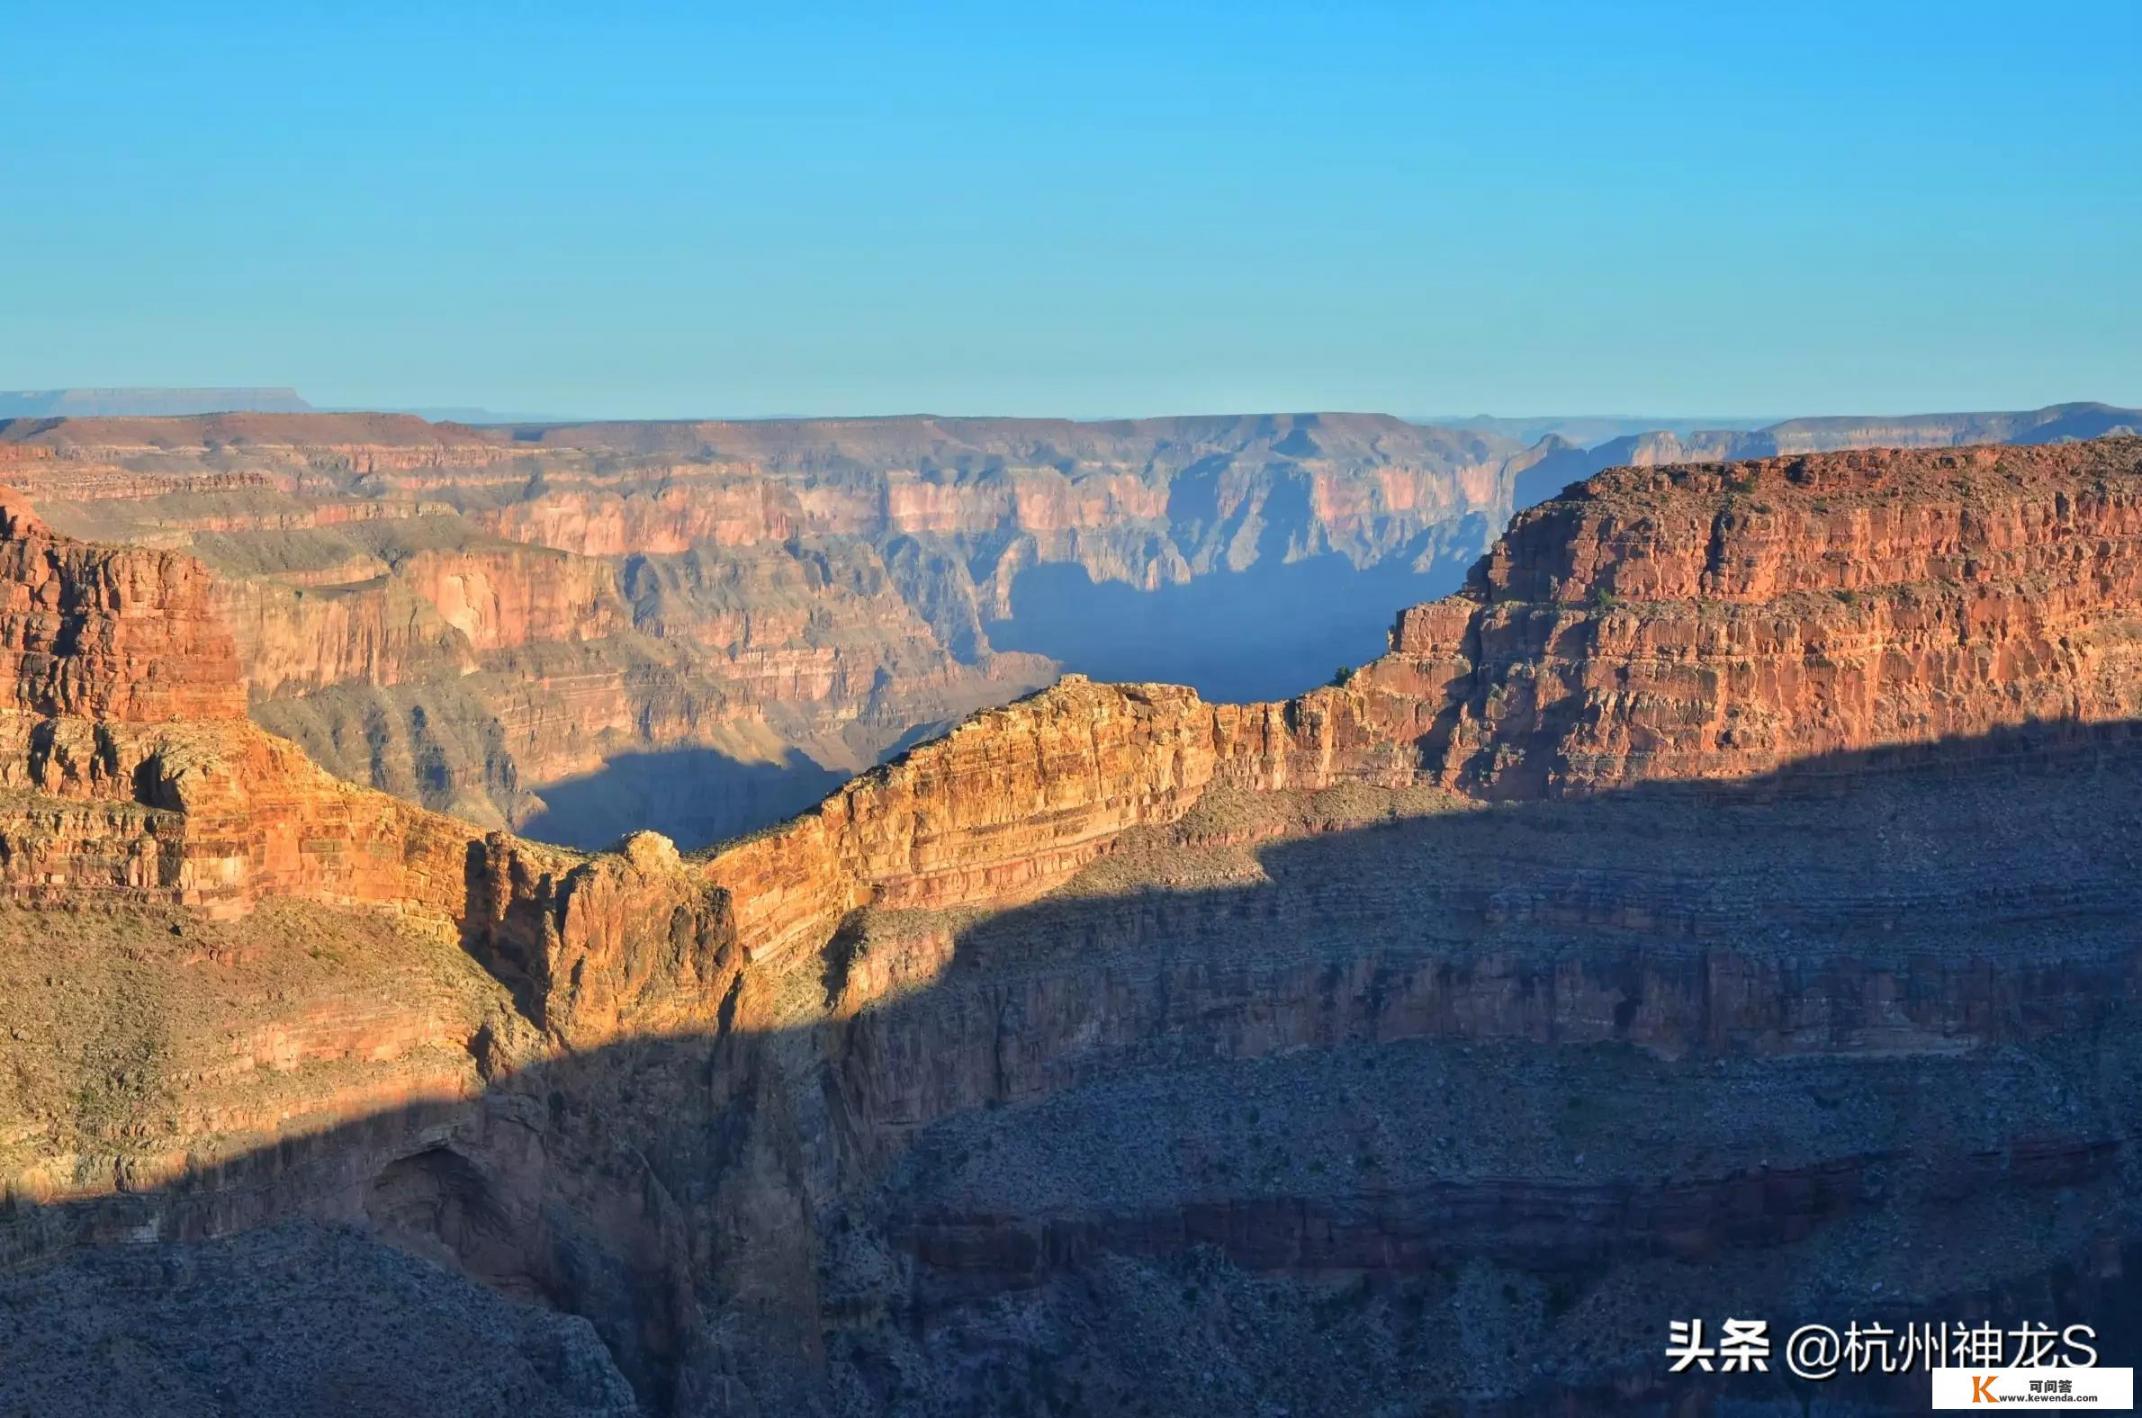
x=1982, y=1389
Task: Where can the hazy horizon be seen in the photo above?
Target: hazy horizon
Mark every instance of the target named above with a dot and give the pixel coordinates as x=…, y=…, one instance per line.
x=1512, y=424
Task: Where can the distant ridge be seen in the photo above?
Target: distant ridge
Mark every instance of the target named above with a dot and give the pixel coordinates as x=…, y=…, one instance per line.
x=112, y=403
x=464, y=413
x=1589, y=430
x=1561, y=461
x=1547, y=453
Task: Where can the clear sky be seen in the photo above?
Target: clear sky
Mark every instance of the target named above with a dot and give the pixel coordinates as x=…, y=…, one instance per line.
x=642, y=210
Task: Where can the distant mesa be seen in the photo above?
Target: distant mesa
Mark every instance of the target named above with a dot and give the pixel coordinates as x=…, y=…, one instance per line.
x=469, y=413
x=129, y=402
x=1587, y=430
x=1562, y=455
x=150, y=402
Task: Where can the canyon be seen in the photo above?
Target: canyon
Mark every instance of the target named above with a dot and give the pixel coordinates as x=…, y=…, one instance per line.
x=702, y=627
x=575, y=631
x=1722, y=900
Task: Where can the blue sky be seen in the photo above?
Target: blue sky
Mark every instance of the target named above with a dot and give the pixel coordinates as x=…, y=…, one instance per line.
x=639, y=210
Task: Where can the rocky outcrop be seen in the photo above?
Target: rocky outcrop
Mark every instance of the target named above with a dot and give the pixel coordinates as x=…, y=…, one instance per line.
x=470, y=617
x=1697, y=622
x=107, y=633
x=1533, y=979
x=630, y=942
x=1683, y=624
x=136, y=775
x=1009, y=803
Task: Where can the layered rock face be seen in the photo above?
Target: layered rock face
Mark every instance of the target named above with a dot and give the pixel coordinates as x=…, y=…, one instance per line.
x=1723, y=904
x=133, y=772
x=106, y=633
x=500, y=622
x=1699, y=623
x=1678, y=624
x=530, y=627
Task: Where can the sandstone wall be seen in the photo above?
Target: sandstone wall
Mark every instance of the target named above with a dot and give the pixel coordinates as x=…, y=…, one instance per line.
x=818, y=587
x=717, y=1087
x=107, y=633
x=1663, y=623
x=1684, y=623
x=1007, y=804
x=1714, y=622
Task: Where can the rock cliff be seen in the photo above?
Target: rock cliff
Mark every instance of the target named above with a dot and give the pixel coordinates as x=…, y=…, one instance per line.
x=1675, y=624
x=1694, y=622
x=512, y=624
x=107, y=633
x=1725, y=898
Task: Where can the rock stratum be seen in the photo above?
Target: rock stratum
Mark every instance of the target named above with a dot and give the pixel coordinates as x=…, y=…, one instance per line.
x=567, y=627
x=578, y=630
x=1724, y=902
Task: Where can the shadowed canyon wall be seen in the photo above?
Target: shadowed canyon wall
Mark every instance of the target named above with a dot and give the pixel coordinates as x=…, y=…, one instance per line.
x=1725, y=898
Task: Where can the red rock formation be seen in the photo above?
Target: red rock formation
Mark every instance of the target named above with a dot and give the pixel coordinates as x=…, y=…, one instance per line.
x=122, y=687
x=1670, y=623
x=107, y=633
x=1673, y=623
x=1715, y=622
x=628, y=943
x=1683, y=623
x=822, y=587
x=1655, y=624
x=1006, y=805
